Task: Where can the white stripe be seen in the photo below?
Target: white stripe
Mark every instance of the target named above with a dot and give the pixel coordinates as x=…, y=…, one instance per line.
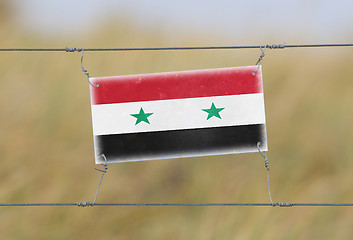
x=178, y=114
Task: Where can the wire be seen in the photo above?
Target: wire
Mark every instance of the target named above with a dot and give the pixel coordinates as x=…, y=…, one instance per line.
x=273, y=46
x=104, y=171
x=35, y=204
x=263, y=154
x=86, y=204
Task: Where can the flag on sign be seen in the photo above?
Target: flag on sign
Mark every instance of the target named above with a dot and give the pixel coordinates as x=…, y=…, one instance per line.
x=178, y=114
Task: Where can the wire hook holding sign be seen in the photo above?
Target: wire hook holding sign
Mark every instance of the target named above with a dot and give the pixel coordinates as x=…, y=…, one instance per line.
x=85, y=71
x=263, y=154
x=68, y=49
x=260, y=59
x=105, y=164
x=273, y=46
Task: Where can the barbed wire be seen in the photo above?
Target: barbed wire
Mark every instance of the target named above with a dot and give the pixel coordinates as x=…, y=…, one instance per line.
x=268, y=46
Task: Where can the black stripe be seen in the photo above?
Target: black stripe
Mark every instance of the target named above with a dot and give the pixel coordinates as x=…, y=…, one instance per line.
x=181, y=143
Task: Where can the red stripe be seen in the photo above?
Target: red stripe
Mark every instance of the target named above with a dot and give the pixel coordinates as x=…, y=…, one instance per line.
x=175, y=85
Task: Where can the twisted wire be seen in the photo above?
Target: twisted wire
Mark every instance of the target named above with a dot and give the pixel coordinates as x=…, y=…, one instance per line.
x=83, y=69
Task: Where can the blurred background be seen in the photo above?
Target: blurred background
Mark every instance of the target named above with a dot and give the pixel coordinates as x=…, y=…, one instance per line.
x=46, y=136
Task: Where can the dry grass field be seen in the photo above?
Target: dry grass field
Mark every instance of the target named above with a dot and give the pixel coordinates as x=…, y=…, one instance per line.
x=47, y=155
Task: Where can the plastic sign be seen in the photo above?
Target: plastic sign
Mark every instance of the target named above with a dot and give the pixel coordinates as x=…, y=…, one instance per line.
x=178, y=114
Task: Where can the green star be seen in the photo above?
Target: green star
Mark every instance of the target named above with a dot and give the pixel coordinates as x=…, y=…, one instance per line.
x=213, y=111
x=141, y=117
